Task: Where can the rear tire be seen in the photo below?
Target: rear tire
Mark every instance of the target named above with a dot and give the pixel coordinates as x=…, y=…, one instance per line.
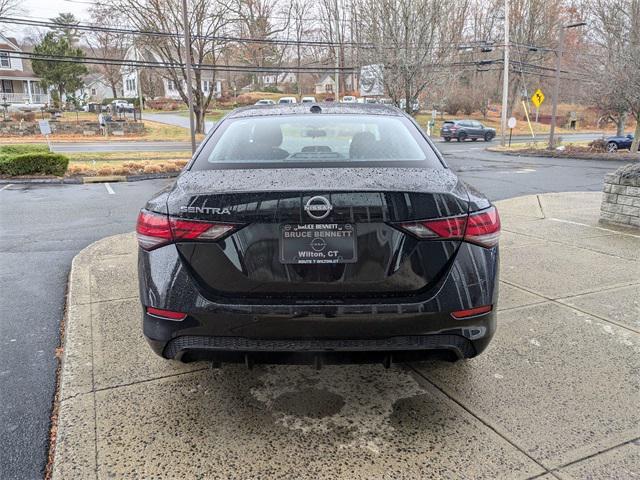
x=447, y=139
x=488, y=137
x=474, y=139
x=462, y=137
x=612, y=147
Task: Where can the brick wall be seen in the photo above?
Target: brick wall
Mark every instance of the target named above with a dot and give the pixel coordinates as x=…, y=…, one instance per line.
x=621, y=198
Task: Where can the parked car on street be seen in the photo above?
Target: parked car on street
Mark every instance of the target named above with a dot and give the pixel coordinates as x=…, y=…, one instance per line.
x=349, y=99
x=466, y=129
x=622, y=142
x=308, y=100
x=121, y=106
x=318, y=233
x=287, y=100
x=265, y=101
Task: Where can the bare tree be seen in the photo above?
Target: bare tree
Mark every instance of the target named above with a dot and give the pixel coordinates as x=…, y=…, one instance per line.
x=256, y=21
x=110, y=45
x=613, y=64
x=206, y=20
x=414, y=40
x=9, y=7
x=302, y=26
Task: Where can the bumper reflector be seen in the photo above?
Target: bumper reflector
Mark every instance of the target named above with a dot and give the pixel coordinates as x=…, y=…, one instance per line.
x=166, y=314
x=472, y=312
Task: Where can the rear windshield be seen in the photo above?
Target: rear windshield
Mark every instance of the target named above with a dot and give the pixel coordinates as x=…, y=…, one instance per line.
x=316, y=140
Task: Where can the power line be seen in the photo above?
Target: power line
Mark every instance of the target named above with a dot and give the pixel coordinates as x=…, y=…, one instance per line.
x=220, y=38
x=169, y=65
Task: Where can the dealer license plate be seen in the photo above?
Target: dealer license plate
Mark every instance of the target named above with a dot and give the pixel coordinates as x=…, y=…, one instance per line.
x=317, y=243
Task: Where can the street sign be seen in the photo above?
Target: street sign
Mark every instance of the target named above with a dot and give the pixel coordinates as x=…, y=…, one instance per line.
x=45, y=128
x=511, y=123
x=537, y=98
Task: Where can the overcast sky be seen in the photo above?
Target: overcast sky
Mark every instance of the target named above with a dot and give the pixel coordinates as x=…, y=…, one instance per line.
x=45, y=9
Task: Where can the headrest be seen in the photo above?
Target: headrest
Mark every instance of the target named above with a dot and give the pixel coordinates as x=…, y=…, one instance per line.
x=268, y=134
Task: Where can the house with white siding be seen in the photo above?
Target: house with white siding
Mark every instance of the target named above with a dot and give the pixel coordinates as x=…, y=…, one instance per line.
x=19, y=86
x=131, y=77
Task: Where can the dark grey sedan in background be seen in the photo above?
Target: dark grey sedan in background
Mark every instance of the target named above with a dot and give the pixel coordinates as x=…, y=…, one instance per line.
x=318, y=234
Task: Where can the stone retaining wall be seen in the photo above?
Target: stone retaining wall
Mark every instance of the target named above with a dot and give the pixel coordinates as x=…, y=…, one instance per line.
x=71, y=128
x=621, y=199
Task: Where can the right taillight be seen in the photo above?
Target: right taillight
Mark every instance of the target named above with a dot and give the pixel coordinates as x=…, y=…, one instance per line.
x=156, y=230
x=481, y=228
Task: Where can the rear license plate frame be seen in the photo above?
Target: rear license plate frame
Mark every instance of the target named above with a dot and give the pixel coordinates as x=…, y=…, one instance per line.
x=318, y=243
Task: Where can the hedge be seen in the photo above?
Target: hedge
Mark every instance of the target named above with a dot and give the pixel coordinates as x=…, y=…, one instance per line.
x=23, y=148
x=34, y=163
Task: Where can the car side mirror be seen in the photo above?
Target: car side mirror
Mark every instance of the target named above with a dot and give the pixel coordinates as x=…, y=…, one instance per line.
x=629, y=136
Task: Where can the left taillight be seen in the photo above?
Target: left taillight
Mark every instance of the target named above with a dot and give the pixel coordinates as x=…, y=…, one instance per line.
x=481, y=228
x=156, y=230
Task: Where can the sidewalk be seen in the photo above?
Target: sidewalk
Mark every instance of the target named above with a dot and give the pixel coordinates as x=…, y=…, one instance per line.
x=175, y=119
x=557, y=394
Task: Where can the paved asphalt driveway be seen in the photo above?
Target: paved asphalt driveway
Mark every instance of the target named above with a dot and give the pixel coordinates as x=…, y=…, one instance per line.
x=43, y=227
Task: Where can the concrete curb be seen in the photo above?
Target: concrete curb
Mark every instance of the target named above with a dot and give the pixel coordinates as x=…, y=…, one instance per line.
x=125, y=413
x=545, y=154
x=80, y=180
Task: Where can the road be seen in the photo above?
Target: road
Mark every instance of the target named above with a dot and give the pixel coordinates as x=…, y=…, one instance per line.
x=174, y=119
x=43, y=227
x=138, y=146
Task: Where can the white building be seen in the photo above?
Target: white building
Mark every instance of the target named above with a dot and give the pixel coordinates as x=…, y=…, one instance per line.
x=95, y=89
x=19, y=86
x=280, y=78
x=131, y=77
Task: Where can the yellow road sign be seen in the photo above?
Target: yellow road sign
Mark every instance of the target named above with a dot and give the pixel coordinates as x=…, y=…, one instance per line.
x=537, y=98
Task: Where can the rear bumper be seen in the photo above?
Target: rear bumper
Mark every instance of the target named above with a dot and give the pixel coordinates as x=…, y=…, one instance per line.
x=195, y=341
x=303, y=332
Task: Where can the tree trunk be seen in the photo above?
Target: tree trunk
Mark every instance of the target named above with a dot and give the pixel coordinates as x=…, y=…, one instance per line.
x=636, y=135
x=113, y=90
x=620, y=124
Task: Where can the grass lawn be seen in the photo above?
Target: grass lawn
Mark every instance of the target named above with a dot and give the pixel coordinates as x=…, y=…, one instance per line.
x=110, y=157
x=126, y=163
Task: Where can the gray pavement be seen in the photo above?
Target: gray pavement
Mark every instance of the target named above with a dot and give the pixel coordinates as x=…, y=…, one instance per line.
x=556, y=395
x=174, y=119
x=41, y=229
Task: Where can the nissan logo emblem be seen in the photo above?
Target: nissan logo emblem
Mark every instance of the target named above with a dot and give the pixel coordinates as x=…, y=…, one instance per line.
x=318, y=207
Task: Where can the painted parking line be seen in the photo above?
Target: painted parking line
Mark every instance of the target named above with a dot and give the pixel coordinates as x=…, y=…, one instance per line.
x=595, y=227
x=6, y=186
x=526, y=170
x=109, y=189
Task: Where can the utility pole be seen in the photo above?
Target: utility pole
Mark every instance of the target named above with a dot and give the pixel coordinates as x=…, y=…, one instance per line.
x=505, y=77
x=337, y=54
x=187, y=48
x=556, y=86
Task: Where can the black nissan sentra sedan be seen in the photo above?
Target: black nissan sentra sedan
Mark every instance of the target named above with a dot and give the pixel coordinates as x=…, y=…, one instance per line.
x=318, y=233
